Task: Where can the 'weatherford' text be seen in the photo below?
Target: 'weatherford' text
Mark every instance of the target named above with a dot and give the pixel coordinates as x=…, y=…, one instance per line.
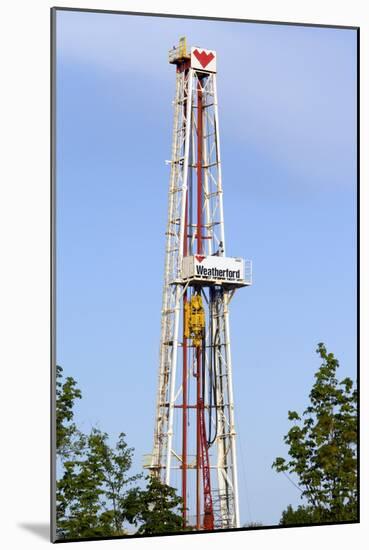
x=218, y=273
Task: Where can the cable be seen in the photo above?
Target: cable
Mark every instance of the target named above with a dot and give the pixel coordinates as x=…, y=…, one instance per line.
x=212, y=374
x=210, y=363
x=293, y=483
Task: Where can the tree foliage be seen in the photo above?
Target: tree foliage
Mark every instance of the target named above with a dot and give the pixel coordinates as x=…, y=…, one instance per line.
x=96, y=495
x=303, y=515
x=92, y=490
x=157, y=509
x=67, y=434
x=322, y=449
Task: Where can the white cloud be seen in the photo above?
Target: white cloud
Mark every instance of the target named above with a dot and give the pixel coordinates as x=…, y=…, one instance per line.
x=290, y=91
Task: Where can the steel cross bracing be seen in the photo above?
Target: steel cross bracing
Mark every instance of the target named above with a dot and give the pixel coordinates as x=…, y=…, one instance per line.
x=169, y=457
x=161, y=458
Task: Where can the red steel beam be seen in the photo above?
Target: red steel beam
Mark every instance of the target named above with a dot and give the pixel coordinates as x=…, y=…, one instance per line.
x=198, y=351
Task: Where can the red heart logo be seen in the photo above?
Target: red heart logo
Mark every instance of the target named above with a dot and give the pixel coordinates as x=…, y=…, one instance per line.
x=200, y=258
x=203, y=57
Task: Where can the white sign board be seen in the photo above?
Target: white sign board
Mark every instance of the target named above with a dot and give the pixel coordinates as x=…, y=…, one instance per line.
x=204, y=60
x=213, y=268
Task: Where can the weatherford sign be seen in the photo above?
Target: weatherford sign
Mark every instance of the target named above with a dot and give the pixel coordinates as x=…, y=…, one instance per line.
x=203, y=60
x=215, y=270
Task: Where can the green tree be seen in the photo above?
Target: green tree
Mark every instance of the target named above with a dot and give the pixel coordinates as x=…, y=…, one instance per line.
x=157, y=509
x=95, y=493
x=67, y=434
x=303, y=515
x=92, y=490
x=322, y=449
x=79, y=496
x=70, y=444
x=115, y=464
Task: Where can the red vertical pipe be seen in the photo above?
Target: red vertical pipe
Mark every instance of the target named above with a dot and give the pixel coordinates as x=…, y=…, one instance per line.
x=199, y=354
x=184, y=389
x=198, y=438
x=184, y=371
x=199, y=168
x=184, y=421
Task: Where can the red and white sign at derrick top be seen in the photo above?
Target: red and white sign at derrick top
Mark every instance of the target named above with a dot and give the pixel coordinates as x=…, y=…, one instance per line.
x=204, y=60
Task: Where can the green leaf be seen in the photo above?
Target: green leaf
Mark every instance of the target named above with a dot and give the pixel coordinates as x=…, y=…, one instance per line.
x=322, y=454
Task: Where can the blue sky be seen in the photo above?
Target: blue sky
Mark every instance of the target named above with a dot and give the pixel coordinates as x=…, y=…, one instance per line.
x=287, y=106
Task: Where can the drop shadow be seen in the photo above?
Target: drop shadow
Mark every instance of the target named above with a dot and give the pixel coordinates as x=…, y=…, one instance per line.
x=42, y=530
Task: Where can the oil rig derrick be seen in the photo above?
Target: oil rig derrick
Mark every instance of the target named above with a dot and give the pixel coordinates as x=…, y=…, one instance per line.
x=194, y=435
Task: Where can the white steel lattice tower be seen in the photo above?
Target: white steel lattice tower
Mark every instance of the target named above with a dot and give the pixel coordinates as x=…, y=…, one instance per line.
x=195, y=438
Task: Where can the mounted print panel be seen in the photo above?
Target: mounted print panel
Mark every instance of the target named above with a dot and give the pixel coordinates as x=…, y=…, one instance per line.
x=205, y=300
